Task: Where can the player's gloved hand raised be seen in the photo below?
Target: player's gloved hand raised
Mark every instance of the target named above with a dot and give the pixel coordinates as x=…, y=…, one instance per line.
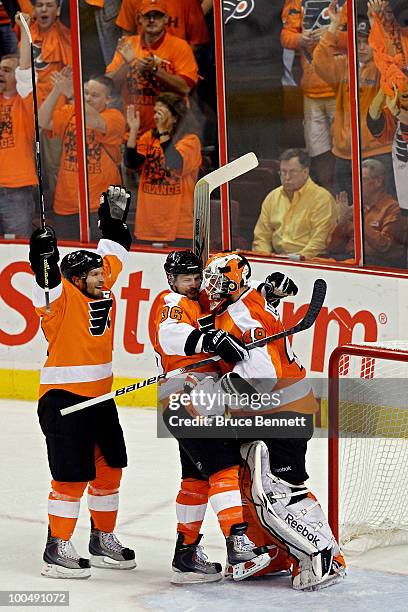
x=114, y=203
x=229, y=348
x=278, y=286
x=113, y=209
x=43, y=243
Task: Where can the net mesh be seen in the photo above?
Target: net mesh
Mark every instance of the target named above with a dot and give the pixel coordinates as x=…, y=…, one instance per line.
x=373, y=449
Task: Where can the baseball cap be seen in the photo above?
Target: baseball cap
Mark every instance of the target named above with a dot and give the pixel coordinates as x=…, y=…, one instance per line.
x=363, y=28
x=153, y=5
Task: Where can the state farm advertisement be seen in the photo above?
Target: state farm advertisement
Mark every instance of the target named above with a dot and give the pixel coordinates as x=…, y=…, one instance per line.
x=358, y=307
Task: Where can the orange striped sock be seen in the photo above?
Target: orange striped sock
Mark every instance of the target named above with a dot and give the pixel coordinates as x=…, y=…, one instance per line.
x=225, y=498
x=191, y=504
x=103, y=494
x=63, y=507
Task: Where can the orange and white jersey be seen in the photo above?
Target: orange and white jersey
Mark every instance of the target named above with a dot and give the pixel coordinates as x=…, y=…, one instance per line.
x=252, y=318
x=177, y=332
x=79, y=331
x=177, y=337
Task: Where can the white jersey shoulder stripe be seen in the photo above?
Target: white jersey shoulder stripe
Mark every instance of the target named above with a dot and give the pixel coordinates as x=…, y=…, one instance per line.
x=38, y=294
x=172, y=299
x=241, y=315
x=110, y=247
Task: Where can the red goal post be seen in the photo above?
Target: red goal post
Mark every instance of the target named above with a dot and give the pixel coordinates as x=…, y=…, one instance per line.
x=368, y=443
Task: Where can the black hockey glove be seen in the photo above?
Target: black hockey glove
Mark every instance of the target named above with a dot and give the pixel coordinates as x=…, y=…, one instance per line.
x=229, y=348
x=112, y=213
x=43, y=244
x=276, y=287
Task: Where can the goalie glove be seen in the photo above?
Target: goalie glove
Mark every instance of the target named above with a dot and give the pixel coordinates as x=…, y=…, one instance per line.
x=276, y=287
x=113, y=209
x=43, y=244
x=229, y=348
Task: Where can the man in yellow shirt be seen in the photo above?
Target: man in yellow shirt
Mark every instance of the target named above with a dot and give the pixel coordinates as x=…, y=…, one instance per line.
x=297, y=217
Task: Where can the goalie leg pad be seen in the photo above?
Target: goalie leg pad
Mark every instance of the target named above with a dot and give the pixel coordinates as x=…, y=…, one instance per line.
x=300, y=525
x=321, y=570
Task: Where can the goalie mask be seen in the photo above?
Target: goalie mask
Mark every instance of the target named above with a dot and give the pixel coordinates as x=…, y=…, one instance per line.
x=225, y=275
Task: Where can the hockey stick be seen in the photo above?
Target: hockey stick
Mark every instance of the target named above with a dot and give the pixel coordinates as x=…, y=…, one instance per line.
x=316, y=303
x=202, y=193
x=38, y=158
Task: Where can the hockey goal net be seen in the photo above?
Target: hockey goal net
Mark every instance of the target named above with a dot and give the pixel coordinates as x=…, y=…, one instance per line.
x=368, y=445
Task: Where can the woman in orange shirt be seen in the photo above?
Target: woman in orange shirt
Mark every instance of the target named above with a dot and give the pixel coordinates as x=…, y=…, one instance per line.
x=169, y=157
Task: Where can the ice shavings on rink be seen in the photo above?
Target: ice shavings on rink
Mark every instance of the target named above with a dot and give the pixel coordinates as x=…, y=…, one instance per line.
x=362, y=590
x=147, y=522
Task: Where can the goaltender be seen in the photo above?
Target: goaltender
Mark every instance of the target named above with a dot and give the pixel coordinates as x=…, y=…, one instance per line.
x=282, y=504
x=86, y=447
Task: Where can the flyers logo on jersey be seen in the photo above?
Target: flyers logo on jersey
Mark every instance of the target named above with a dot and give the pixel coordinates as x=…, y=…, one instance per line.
x=99, y=316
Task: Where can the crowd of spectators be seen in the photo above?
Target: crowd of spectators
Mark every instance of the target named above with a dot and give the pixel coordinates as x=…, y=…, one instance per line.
x=291, y=222
x=150, y=114
x=146, y=127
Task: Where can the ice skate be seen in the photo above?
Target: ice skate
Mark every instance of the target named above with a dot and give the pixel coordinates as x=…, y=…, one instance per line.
x=190, y=564
x=243, y=558
x=106, y=551
x=61, y=560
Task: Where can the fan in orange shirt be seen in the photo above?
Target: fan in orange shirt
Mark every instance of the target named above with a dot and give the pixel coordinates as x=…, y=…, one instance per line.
x=333, y=68
x=185, y=20
x=169, y=157
x=17, y=167
x=86, y=448
x=105, y=128
x=303, y=25
x=152, y=62
x=52, y=44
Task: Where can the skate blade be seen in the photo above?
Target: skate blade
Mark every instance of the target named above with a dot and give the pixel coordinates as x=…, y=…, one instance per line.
x=193, y=577
x=108, y=563
x=58, y=571
x=244, y=570
x=279, y=572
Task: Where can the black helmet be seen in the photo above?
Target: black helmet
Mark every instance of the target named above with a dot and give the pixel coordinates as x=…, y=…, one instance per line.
x=79, y=263
x=183, y=262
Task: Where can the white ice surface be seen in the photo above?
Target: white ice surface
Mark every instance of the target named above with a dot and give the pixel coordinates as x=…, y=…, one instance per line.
x=377, y=581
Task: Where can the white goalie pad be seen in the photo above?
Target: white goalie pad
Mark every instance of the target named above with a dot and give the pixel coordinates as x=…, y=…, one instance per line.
x=300, y=525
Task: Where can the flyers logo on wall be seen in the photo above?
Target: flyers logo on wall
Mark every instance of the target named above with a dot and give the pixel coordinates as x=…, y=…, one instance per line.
x=238, y=9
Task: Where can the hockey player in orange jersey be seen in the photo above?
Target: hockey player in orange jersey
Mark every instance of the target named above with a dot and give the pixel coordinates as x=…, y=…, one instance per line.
x=209, y=465
x=283, y=507
x=85, y=448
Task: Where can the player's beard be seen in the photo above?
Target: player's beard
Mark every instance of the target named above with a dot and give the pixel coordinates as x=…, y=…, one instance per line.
x=193, y=293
